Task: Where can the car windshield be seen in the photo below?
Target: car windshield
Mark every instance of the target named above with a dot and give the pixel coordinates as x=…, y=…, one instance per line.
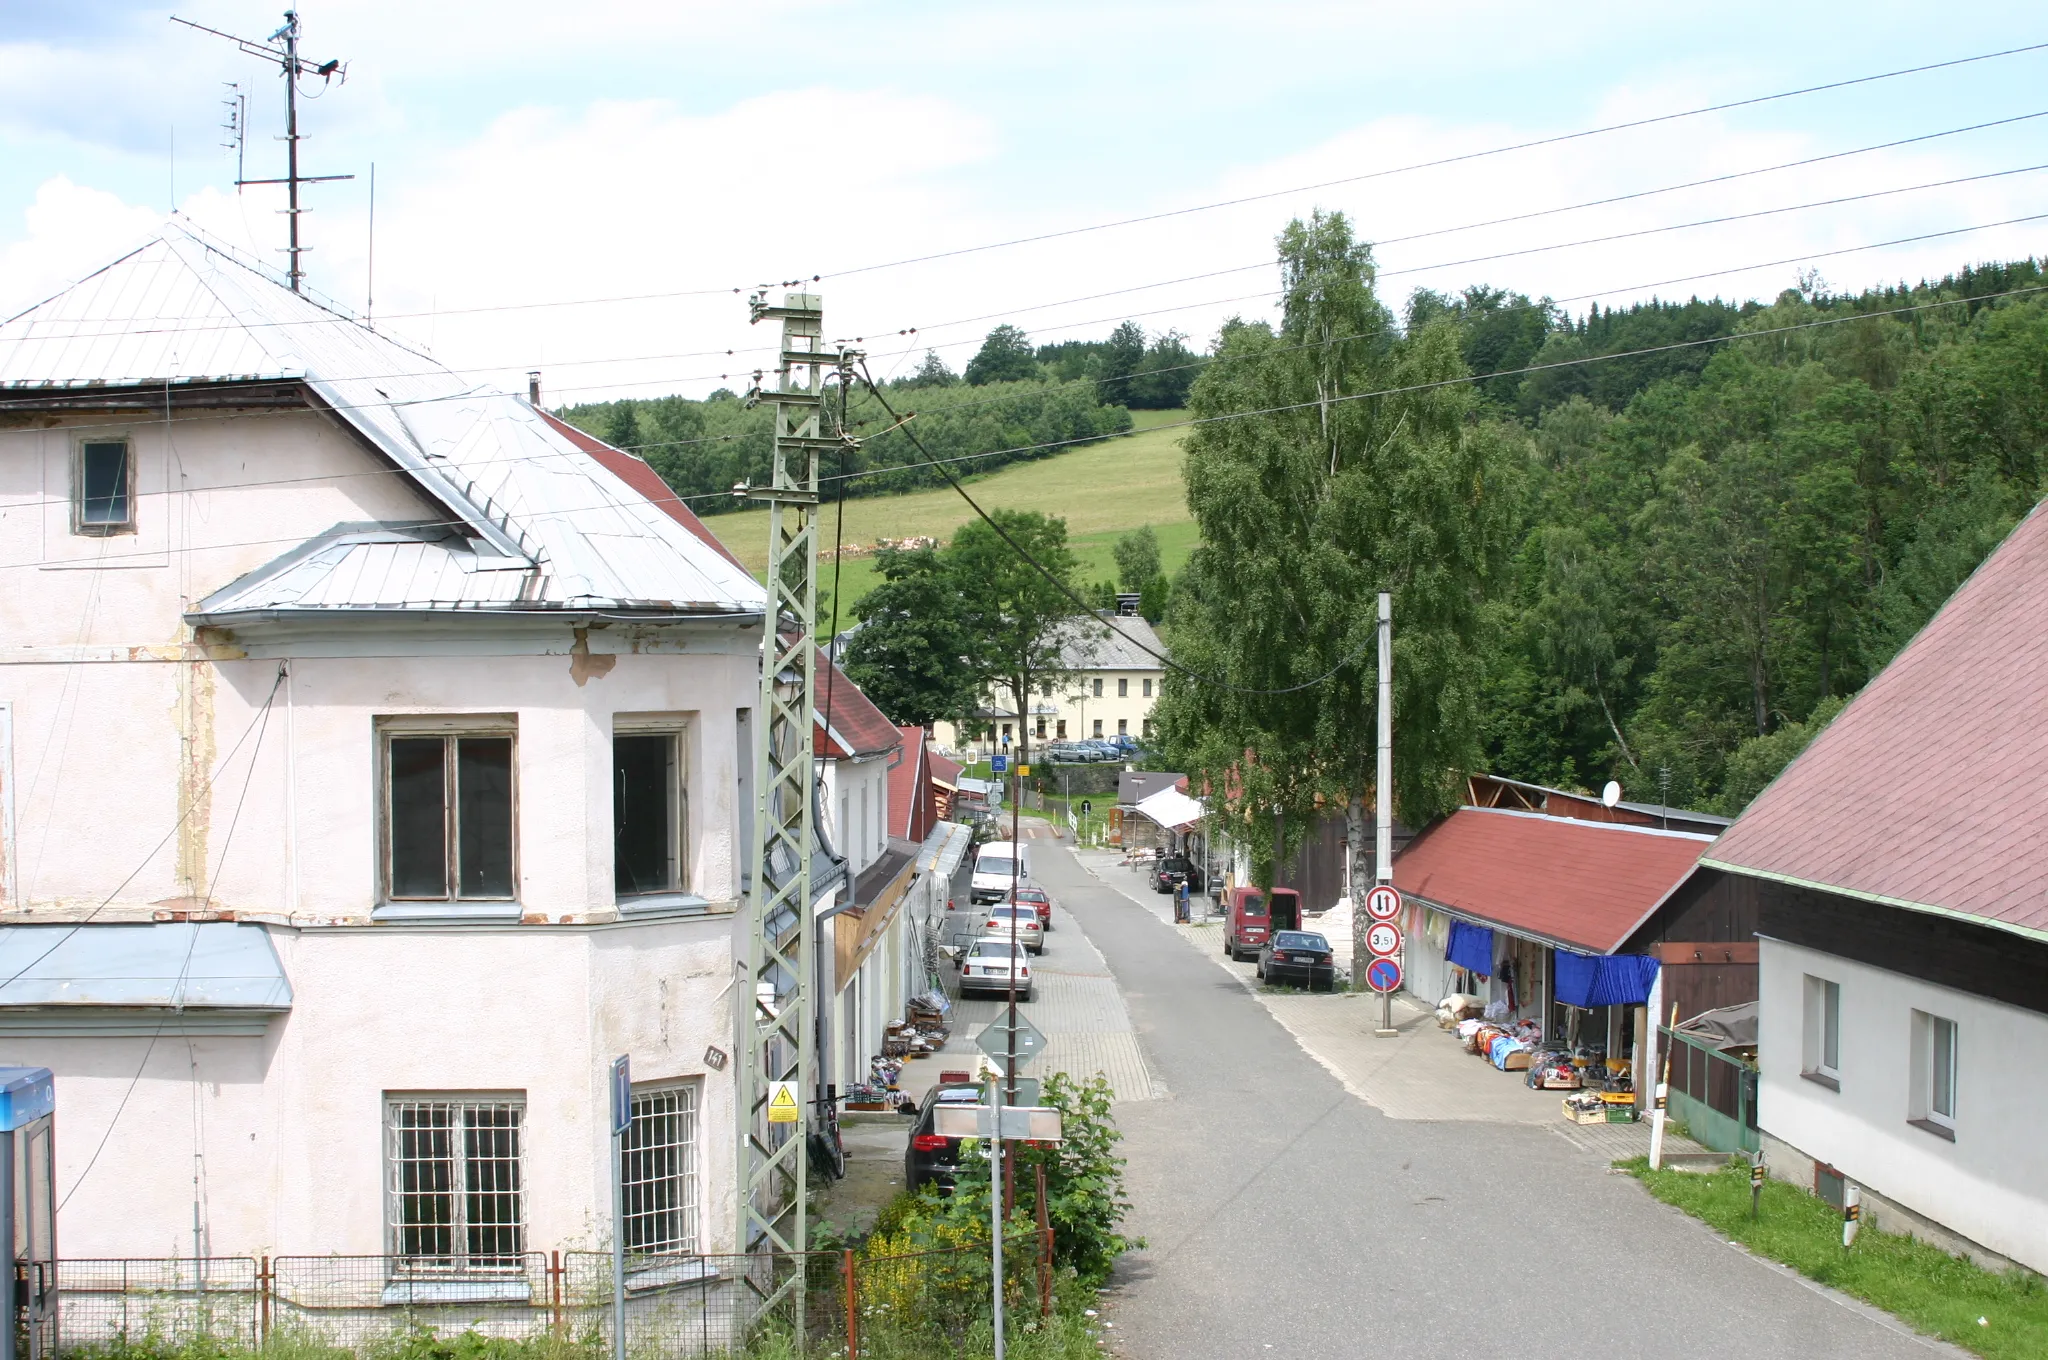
x=993, y=864
x=1296, y=939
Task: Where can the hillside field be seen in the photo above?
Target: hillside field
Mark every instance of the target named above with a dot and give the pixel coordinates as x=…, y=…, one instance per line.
x=1102, y=491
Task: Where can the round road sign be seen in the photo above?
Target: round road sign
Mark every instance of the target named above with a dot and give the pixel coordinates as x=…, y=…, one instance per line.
x=1383, y=902
x=1383, y=975
x=1383, y=938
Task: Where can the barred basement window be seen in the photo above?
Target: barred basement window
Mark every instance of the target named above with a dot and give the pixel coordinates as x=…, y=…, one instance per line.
x=659, y=1171
x=453, y=1179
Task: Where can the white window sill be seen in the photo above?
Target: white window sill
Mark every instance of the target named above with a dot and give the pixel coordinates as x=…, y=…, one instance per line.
x=1823, y=1079
x=663, y=904
x=398, y=1293
x=1935, y=1127
x=445, y=911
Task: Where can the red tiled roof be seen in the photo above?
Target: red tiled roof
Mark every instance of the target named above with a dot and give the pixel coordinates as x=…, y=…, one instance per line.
x=643, y=479
x=912, y=804
x=858, y=727
x=1585, y=884
x=945, y=771
x=1928, y=790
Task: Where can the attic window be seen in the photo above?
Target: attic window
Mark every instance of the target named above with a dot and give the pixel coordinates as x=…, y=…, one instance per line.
x=102, y=488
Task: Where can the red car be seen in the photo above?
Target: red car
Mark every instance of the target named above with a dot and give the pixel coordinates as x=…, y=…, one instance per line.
x=1036, y=897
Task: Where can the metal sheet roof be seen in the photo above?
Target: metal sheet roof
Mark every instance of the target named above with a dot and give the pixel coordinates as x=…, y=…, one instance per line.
x=1110, y=642
x=182, y=310
x=196, y=965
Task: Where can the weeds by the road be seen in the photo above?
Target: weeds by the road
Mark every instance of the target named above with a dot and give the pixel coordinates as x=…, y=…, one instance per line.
x=2002, y=1316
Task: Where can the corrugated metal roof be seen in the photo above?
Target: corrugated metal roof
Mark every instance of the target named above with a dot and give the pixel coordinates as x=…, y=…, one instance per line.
x=181, y=310
x=1109, y=642
x=1926, y=792
x=200, y=965
x=1584, y=884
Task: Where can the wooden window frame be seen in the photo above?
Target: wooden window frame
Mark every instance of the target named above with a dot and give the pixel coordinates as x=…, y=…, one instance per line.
x=450, y=728
x=678, y=730
x=103, y=528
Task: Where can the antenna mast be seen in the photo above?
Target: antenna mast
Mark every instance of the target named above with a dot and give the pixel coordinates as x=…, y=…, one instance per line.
x=282, y=47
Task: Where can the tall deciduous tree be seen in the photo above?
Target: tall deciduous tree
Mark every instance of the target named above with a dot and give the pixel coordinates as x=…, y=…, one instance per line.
x=1005, y=356
x=910, y=653
x=1137, y=558
x=1307, y=513
x=1016, y=619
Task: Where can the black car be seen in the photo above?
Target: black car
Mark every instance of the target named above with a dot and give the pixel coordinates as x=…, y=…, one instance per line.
x=1298, y=956
x=1175, y=870
x=931, y=1157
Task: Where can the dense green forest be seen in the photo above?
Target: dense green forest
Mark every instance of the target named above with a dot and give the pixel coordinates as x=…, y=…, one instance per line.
x=1721, y=543
x=1013, y=396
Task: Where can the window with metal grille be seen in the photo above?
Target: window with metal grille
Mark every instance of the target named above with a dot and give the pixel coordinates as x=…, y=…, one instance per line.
x=454, y=1182
x=658, y=1171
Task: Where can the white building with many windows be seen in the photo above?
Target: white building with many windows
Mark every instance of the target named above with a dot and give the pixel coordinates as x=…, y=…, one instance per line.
x=1901, y=870
x=371, y=746
x=1111, y=673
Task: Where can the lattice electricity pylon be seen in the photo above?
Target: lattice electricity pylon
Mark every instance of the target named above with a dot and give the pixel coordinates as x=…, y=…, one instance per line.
x=780, y=1036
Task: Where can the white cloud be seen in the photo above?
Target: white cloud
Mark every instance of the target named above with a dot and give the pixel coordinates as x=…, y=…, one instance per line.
x=70, y=231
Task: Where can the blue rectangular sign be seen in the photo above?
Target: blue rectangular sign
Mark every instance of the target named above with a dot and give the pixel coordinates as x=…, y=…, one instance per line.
x=622, y=1094
x=998, y=764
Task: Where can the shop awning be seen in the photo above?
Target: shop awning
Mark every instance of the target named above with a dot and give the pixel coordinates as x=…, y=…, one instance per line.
x=1589, y=980
x=1471, y=948
x=1171, y=809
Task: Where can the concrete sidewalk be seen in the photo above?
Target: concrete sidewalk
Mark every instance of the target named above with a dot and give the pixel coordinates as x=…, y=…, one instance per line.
x=1420, y=1074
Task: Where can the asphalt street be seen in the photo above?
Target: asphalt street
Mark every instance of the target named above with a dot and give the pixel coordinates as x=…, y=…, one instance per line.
x=1285, y=1217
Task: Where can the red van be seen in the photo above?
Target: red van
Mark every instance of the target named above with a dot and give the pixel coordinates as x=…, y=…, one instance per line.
x=1247, y=922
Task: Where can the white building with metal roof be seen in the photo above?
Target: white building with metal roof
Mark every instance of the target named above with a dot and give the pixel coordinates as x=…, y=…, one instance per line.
x=1109, y=682
x=370, y=760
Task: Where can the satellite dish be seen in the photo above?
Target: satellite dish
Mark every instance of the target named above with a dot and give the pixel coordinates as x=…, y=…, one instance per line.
x=1610, y=795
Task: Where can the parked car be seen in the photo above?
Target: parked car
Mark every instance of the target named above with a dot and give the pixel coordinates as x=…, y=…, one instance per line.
x=1100, y=748
x=1175, y=870
x=931, y=1157
x=1038, y=898
x=1249, y=919
x=988, y=965
x=1124, y=742
x=1067, y=753
x=1029, y=930
x=1298, y=956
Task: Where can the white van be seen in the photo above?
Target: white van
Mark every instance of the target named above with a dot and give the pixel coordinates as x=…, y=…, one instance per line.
x=993, y=865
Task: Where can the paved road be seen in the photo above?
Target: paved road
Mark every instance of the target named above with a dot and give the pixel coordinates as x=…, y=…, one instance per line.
x=1286, y=1217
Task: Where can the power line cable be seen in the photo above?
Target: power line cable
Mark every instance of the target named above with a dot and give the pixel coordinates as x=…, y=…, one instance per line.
x=1446, y=160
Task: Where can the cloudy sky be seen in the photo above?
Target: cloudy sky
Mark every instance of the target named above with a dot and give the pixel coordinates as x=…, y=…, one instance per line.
x=581, y=188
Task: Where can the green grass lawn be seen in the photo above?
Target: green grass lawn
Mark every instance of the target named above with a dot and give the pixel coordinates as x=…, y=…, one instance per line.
x=1922, y=1285
x=1101, y=490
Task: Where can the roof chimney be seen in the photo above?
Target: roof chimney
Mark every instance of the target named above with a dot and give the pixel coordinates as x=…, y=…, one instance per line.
x=533, y=388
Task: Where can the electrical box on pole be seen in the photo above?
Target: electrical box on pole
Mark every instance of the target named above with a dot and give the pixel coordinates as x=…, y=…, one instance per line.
x=779, y=1036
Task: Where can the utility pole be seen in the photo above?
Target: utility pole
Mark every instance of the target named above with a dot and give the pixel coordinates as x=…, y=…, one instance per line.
x=282, y=47
x=780, y=1041
x=1383, y=783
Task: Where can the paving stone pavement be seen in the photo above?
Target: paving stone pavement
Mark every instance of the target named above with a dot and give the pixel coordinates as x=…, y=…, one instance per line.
x=1077, y=1007
x=1421, y=1074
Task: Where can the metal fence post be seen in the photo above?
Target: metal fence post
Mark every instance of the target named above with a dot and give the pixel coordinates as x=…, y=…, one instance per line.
x=263, y=1279
x=555, y=1293
x=1045, y=1272
x=852, y=1305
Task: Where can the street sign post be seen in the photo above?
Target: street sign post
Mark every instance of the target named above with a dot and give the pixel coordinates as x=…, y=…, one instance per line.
x=1383, y=938
x=998, y=764
x=1383, y=902
x=622, y=1120
x=994, y=1041
x=1383, y=975
x=1086, y=807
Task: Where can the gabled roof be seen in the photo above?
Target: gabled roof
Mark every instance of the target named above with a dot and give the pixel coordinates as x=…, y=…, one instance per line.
x=912, y=808
x=635, y=472
x=1109, y=642
x=945, y=770
x=1927, y=791
x=182, y=312
x=1584, y=884
x=1135, y=786
x=857, y=728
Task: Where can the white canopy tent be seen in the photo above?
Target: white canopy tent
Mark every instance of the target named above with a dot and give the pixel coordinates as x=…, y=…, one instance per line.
x=1171, y=809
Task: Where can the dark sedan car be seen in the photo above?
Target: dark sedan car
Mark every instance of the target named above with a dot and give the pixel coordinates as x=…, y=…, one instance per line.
x=1300, y=957
x=931, y=1157
x=1175, y=870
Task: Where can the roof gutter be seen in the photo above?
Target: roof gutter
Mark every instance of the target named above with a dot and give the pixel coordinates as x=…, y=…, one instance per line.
x=528, y=612
x=1902, y=904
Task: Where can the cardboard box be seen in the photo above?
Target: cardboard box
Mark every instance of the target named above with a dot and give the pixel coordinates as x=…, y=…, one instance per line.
x=1597, y=1115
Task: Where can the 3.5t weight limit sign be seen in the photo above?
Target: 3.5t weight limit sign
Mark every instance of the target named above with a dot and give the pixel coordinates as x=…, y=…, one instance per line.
x=1383, y=902
x=1383, y=938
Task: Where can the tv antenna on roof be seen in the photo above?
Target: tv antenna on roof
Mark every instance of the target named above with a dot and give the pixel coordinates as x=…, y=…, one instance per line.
x=282, y=47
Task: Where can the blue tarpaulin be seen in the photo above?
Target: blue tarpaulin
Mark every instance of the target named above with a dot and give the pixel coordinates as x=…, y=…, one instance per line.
x=1471, y=947
x=1588, y=980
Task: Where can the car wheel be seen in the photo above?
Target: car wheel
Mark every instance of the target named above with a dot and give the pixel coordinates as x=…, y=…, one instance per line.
x=1226, y=954
x=1030, y=993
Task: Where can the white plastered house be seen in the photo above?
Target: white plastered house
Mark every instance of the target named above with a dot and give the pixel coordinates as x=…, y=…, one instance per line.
x=370, y=749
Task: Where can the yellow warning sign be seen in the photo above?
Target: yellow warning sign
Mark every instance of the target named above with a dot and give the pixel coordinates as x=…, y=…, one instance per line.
x=782, y=1107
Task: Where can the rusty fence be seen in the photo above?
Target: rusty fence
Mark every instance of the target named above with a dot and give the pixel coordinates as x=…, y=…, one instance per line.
x=846, y=1303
